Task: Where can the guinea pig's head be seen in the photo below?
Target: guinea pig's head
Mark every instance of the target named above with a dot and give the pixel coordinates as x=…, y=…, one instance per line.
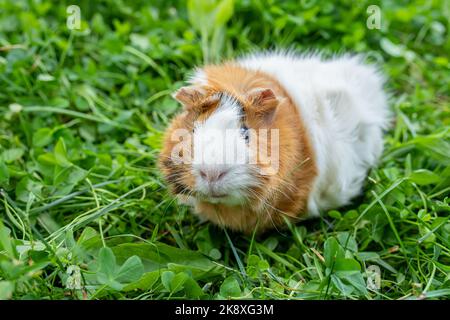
x=223, y=147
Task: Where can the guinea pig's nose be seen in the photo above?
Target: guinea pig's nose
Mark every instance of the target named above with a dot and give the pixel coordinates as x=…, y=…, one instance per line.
x=212, y=175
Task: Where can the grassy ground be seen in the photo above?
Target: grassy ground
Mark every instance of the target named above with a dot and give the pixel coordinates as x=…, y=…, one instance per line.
x=84, y=213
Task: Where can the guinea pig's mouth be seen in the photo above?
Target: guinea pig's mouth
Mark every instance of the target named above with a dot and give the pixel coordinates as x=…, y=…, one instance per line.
x=229, y=199
x=215, y=196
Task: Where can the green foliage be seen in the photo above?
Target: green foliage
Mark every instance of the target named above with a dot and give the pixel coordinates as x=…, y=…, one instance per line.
x=84, y=213
x=109, y=274
x=209, y=18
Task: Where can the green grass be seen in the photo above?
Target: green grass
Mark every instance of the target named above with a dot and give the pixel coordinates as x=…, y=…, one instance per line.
x=85, y=213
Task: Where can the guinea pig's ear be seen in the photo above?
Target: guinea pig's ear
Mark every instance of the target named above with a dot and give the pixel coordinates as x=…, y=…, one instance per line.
x=264, y=103
x=189, y=96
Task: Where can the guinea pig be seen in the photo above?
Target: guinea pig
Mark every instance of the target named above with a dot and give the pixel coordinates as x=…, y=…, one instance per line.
x=272, y=136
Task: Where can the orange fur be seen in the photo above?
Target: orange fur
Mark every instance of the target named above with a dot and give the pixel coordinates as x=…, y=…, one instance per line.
x=283, y=194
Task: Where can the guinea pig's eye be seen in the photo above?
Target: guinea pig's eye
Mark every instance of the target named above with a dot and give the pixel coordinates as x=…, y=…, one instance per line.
x=244, y=132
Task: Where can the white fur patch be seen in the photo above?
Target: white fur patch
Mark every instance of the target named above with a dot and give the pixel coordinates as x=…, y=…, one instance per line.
x=198, y=78
x=219, y=145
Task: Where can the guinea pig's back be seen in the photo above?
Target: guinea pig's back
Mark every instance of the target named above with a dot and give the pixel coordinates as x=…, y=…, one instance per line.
x=343, y=106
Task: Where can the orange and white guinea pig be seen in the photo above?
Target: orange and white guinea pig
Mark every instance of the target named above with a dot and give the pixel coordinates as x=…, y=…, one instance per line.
x=327, y=117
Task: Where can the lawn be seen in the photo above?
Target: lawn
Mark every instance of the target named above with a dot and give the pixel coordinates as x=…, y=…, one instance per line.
x=85, y=213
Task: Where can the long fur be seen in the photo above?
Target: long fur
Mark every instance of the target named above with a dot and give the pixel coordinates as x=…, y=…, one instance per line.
x=330, y=117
